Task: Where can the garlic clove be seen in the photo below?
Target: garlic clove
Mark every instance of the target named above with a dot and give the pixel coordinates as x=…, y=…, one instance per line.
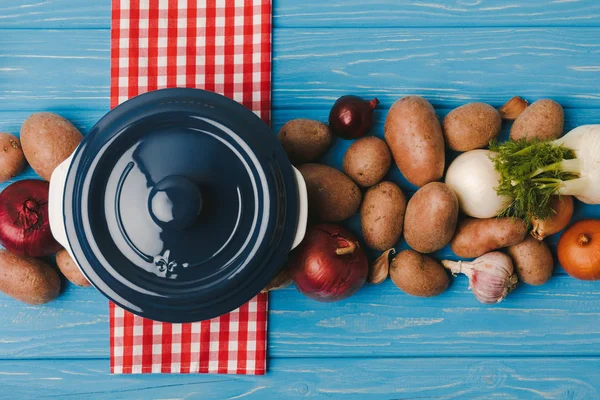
x=380, y=269
x=513, y=108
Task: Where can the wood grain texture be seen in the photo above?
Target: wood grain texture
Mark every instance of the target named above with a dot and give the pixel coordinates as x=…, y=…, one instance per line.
x=314, y=67
x=458, y=13
x=61, y=14
x=63, y=69
x=448, y=66
x=364, y=379
x=559, y=318
x=350, y=13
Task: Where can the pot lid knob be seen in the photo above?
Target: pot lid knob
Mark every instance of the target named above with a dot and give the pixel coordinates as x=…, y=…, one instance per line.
x=175, y=202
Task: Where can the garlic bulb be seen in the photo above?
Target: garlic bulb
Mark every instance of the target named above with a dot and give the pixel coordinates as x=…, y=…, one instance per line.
x=491, y=276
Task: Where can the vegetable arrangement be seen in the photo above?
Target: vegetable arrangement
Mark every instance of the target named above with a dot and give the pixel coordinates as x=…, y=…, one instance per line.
x=495, y=196
x=46, y=140
x=497, y=204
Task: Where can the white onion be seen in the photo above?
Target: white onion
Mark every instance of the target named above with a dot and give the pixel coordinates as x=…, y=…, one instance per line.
x=474, y=180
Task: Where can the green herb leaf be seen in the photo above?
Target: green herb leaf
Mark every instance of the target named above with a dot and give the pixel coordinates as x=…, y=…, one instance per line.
x=530, y=174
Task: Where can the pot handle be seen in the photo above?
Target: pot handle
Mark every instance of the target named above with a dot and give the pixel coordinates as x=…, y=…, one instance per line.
x=55, y=203
x=302, y=209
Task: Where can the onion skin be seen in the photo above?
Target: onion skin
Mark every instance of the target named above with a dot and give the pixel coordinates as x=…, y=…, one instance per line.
x=24, y=225
x=329, y=265
x=351, y=117
x=563, y=206
x=579, y=250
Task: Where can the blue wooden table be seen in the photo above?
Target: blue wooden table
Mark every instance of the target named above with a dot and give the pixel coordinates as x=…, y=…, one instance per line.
x=541, y=343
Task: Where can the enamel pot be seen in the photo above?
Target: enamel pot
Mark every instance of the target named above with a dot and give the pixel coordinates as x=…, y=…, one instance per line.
x=180, y=205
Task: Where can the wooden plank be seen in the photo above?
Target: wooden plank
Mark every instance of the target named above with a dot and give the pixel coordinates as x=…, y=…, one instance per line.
x=367, y=378
x=64, y=69
x=448, y=66
x=70, y=69
x=351, y=13
x=558, y=319
x=55, y=14
x=407, y=13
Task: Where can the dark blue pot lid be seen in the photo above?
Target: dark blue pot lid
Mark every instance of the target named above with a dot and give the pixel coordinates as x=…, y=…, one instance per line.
x=180, y=205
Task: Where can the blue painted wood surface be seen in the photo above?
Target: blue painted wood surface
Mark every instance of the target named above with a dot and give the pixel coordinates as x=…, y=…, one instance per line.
x=543, y=342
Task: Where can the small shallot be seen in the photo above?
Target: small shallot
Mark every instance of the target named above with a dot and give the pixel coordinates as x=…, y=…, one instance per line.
x=351, y=117
x=513, y=108
x=491, y=276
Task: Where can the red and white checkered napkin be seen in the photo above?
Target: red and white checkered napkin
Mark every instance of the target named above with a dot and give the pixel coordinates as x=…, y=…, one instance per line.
x=218, y=45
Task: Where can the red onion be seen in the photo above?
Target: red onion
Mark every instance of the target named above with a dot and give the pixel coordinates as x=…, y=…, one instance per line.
x=329, y=264
x=351, y=117
x=24, y=226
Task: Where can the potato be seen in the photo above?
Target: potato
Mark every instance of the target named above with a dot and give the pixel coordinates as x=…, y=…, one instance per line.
x=475, y=237
x=70, y=270
x=544, y=119
x=418, y=274
x=12, y=160
x=533, y=261
x=367, y=161
x=332, y=196
x=48, y=139
x=382, y=215
x=431, y=216
x=471, y=126
x=305, y=140
x=414, y=135
x=27, y=279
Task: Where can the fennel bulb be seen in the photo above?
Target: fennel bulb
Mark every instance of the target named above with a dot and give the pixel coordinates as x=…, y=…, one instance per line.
x=474, y=180
x=532, y=172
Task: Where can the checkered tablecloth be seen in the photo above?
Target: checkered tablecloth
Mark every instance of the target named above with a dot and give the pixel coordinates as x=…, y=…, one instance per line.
x=218, y=45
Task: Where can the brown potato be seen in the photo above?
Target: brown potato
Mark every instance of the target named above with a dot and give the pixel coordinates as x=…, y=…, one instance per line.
x=414, y=134
x=533, y=261
x=418, y=274
x=12, y=160
x=382, y=215
x=431, y=216
x=544, y=119
x=475, y=237
x=367, y=161
x=27, y=279
x=332, y=196
x=48, y=139
x=305, y=140
x=471, y=126
x=70, y=270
